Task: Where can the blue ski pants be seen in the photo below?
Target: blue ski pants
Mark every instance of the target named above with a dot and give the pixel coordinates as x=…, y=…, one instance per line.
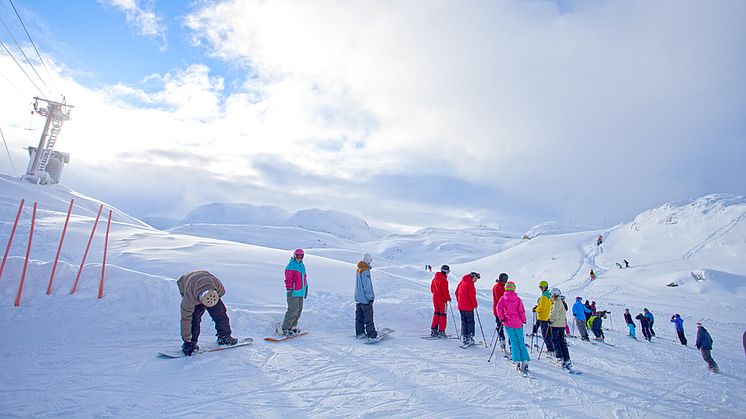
x=632, y=330
x=517, y=346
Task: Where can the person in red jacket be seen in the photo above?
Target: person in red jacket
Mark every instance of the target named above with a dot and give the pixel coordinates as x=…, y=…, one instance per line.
x=497, y=291
x=466, y=295
x=441, y=297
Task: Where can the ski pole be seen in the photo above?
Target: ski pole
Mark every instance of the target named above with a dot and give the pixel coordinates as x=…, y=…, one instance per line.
x=493, y=350
x=611, y=320
x=480, y=327
x=494, y=333
x=543, y=341
x=458, y=335
x=572, y=331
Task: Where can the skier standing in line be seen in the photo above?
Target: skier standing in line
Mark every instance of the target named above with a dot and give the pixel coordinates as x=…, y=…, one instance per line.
x=542, y=308
x=441, y=297
x=593, y=308
x=512, y=314
x=557, y=324
x=466, y=296
x=498, y=290
x=679, y=322
x=296, y=289
x=645, y=323
x=704, y=344
x=200, y=291
x=650, y=316
x=630, y=324
x=581, y=314
x=364, y=297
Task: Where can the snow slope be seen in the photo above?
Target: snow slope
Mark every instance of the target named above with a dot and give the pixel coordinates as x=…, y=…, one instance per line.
x=78, y=356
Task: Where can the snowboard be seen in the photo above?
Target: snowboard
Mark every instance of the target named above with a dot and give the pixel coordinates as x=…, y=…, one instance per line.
x=283, y=339
x=207, y=348
x=381, y=334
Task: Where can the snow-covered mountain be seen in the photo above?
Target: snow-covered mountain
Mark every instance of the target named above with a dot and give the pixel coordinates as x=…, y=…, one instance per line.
x=78, y=356
x=555, y=227
x=236, y=213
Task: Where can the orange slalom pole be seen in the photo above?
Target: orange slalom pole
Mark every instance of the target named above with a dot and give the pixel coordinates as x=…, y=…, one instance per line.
x=90, y=239
x=56, y=258
x=103, y=265
x=28, y=252
x=10, y=240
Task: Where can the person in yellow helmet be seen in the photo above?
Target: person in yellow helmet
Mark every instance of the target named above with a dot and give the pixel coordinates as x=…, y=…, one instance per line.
x=542, y=309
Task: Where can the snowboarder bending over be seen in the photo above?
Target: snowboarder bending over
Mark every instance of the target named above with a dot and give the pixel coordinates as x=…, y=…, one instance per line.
x=595, y=322
x=704, y=344
x=581, y=313
x=364, y=296
x=200, y=291
x=630, y=324
x=511, y=313
x=441, y=297
x=296, y=289
x=557, y=324
x=498, y=290
x=679, y=323
x=466, y=296
x=542, y=308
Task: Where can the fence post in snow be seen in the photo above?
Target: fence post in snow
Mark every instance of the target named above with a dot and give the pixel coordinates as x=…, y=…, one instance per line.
x=28, y=251
x=103, y=265
x=90, y=239
x=10, y=240
x=56, y=258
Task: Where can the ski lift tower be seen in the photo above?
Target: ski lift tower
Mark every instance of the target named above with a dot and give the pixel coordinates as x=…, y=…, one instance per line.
x=45, y=164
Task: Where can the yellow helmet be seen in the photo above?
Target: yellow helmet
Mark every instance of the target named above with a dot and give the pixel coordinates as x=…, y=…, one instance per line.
x=544, y=284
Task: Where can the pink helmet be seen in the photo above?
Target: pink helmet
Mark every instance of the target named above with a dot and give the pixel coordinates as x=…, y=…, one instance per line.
x=298, y=252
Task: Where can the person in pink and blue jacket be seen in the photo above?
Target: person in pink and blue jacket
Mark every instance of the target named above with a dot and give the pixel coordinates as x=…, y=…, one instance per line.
x=512, y=314
x=296, y=289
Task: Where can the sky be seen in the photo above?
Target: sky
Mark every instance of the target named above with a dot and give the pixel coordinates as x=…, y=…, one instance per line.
x=407, y=114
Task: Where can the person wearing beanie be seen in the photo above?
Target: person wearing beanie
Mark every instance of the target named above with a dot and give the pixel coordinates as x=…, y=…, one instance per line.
x=466, y=296
x=630, y=324
x=704, y=344
x=581, y=313
x=364, y=297
x=557, y=325
x=542, y=309
x=679, y=323
x=512, y=314
x=296, y=290
x=441, y=297
x=497, y=292
x=200, y=291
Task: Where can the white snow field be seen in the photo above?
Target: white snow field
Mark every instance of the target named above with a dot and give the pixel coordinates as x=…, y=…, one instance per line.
x=76, y=356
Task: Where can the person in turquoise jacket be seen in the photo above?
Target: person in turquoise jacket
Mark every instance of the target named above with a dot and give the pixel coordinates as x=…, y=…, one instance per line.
x=364, y=297
x=296, y=289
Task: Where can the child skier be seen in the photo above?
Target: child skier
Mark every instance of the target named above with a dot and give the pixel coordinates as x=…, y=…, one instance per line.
x=466, y=296
x=581, y=314
x=650, y=316
x=511, y=313
x=296, y=288
x=557, y=326
x=595, y=322
x=364, y=297
x=441, y=297
x=645, y=323
x=498, y=290
x=704, y=344
x=630, y=324
x=679, y=323
x=542, y=308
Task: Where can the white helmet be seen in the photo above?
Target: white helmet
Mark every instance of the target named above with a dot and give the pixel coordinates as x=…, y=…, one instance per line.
x=209, y=298
x=367, y=258
x=555, y=291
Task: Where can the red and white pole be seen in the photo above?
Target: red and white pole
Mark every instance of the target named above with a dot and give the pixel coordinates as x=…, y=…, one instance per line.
x=103, y=265
x=56, y=258
x=28, y=252
x=10, y=240
x=90, y=239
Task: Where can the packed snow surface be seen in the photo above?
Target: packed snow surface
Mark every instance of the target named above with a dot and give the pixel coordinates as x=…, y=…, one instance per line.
x=74, y=355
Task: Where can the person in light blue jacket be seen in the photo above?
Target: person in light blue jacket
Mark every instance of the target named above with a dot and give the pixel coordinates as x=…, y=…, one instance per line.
x=650, y=316
x=364, y=297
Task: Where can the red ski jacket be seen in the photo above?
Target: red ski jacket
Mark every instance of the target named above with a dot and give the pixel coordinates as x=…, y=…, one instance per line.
x=497, y=291
x=466, y=294
x=439, y=288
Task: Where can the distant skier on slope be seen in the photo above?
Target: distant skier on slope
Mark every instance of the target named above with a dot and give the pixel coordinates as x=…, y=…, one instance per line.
x=441, y=297
x=200, y=291
x=466, y=296
x=498, y=290
x=364, y=297
x=542, y=308
x=557, y=324
x=645, y=323
x=296, y=289
x=599, y=240
x=593, y=275
x=595, y=322
x=630, y=323
x=581, y=313
x=650, y=316
x=679, y=323
x=704, y=344
x=626, y=263
x=512, y=314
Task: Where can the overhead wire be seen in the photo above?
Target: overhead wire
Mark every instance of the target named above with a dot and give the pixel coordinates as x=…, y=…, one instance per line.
x=21, y=67
x=15, y=173
x=24, y=53
x=34, y=45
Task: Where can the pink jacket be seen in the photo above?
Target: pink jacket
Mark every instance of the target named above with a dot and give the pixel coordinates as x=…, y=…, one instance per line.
x=510, y=310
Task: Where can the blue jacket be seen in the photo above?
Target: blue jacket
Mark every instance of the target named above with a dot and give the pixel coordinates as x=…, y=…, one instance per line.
x=679, y=323
x=363, y=284
x=704, y=340
x=580, y=311
x=649, y=315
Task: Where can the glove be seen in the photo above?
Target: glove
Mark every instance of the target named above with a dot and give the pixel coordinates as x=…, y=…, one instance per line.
x=189, y=348
x=289, y=292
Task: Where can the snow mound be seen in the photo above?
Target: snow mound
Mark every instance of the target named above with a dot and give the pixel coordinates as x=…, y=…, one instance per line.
x=334, y=222
x=236, y=213
x=555, y=227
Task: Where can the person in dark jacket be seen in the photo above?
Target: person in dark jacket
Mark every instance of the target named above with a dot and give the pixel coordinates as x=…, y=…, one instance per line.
x=650, y=316
x=595, y=322
x=679, y=323
x=630, y=324
x=645, y=323
x=704, y=344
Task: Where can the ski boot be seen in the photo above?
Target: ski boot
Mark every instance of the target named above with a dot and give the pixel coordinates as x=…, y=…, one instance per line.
x=227, y=340
x=442, y=335
x=434, y=333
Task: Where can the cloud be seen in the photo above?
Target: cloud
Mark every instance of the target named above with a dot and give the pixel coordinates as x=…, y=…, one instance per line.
x=143, y=17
